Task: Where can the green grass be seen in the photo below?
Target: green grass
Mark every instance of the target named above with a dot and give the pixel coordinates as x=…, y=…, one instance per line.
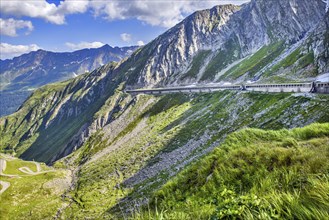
x=291, y=59
x=196, y=65
x=169, y=123
x=28, y=133
x=222, y=59
x=15, y=129
x=306, y=60
x=296, y=61
x=256, y=62
x=97, y=194
x=44, y=125
x=31, y=196
x=254, y=174
x=12, y=167
x=148, y=126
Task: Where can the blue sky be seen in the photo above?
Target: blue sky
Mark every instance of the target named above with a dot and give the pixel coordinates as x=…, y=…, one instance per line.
x=75, y=24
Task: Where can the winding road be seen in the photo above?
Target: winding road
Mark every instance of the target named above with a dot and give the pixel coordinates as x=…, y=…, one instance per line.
x=26, y=170
x=4, y=185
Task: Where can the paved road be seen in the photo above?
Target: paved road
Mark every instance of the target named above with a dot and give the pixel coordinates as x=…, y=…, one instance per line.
x=38, y=167
x=289, y=87
x=3, y=165
x=5, y=186
x=26, y=170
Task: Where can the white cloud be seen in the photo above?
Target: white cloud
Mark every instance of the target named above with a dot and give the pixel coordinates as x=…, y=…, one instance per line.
x=157, y=13
x=140, y=43
x=43, y=9
x=9, y=51
x=83, y=45
x=125, y=37
x=73, y=7
x=10, y=26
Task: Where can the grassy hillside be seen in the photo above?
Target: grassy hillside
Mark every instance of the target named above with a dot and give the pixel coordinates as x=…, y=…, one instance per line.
x=48, y=124
x=53, y=114
x=34, y=190
x=254, y=63
x=254, y=174
x=149, y=140
x=295, y=67
x=156, y=136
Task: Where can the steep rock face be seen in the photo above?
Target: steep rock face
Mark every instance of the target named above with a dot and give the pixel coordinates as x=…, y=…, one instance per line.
x=174, y=49
x=319, y=43
x=229, y=30
x=289, y=19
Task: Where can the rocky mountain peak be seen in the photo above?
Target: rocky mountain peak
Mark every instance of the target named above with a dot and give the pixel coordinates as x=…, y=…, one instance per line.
x=297, y=16
x=237, y=31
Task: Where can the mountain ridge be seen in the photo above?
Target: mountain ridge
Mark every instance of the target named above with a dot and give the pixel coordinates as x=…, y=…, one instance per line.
x=70, y=62
x=105, y=46
x=243, y=32
x=21, y=75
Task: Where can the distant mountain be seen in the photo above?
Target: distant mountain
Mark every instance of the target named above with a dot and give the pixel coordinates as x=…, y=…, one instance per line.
x=41, y=67
x=32, y=70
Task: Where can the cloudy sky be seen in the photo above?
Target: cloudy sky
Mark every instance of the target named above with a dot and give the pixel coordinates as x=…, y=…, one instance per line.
x=27, y=25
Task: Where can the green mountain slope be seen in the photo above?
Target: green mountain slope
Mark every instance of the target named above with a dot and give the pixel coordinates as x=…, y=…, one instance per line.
x=59, y=118
x=48, y=120
x=254, y=174
x=155, y=137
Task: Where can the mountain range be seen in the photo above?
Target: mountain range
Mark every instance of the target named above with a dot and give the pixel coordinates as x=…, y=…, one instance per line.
x=218, y=45
x=128, y=152
x=20, y=75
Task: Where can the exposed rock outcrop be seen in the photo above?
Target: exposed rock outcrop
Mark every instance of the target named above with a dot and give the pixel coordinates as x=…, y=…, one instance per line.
x=243, y=29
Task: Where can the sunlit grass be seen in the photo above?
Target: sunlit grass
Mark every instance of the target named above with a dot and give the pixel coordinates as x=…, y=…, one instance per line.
x=254, y=174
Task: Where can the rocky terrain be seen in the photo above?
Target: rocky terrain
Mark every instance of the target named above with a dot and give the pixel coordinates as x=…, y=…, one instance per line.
x=215, y=44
